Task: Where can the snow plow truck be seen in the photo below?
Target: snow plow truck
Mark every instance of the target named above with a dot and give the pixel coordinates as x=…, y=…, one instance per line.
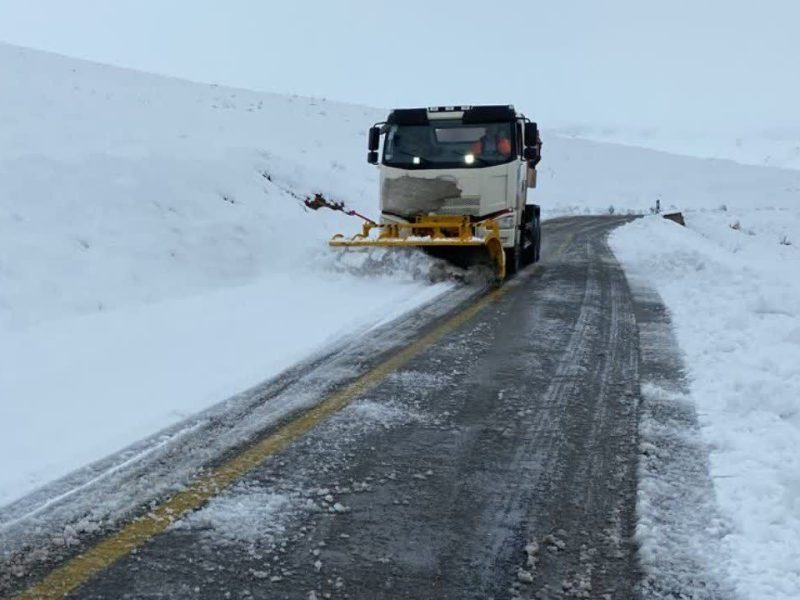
x=454, y=181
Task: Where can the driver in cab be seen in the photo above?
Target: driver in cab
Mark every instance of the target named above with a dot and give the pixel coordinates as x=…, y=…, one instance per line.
x=492, y=143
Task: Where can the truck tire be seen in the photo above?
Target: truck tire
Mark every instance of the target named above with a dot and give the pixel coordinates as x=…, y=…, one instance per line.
x=514, y=260
x=531, y=235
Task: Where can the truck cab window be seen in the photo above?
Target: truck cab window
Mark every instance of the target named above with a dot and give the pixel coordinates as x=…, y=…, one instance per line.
x=447, y=145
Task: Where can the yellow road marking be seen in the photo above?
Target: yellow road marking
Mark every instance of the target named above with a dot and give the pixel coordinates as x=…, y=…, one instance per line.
x=83, y=567
x=562, y=248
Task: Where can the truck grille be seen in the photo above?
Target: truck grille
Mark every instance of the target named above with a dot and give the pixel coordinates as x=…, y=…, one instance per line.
x=465, y=205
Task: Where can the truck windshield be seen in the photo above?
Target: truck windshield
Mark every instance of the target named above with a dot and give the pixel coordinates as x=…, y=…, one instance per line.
x=448, y=145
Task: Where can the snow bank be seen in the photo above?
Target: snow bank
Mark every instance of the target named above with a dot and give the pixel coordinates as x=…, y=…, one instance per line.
x=733, y=292
x=94, y=384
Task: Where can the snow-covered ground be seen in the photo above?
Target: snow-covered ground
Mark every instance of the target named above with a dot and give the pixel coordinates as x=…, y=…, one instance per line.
x=768, y=148
x=731, y=281
x=152, y=261
x=155, y=259
x=584, y=177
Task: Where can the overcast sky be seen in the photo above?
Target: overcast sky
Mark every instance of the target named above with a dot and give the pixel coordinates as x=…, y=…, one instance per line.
x=693, y=63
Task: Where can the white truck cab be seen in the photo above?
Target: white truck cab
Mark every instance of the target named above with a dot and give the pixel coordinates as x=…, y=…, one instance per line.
x=475, y=161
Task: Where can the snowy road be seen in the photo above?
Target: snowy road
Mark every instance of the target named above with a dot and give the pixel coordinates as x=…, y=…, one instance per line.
x=498, y=461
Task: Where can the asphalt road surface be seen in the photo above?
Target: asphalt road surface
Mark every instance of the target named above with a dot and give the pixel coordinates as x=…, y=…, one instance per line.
x=498, y=462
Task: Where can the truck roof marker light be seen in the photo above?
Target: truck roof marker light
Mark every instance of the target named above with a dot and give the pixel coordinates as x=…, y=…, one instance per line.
x=462, y=108
x=469, y=158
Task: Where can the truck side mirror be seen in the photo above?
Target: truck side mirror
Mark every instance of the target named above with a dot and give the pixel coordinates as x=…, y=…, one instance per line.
x=372, y=158
x=374, y=138
x=531, y=134
x=531, y=153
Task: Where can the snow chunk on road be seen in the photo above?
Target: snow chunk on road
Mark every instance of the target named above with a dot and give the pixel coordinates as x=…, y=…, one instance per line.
x=369, y=413
x=734, y=296
x=246, y=514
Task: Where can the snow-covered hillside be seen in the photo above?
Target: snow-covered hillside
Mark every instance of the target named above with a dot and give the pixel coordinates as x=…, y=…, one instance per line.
x=581, y=176
x=768, y=148
x=120, y=188
x=152, y=262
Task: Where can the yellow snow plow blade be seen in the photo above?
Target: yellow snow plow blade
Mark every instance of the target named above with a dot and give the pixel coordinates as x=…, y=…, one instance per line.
x=434, y=231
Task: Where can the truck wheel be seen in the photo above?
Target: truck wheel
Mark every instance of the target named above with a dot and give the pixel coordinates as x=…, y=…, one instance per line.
x=529, y=254
x=513, y=260
x=536, y=229
x=530, y=236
